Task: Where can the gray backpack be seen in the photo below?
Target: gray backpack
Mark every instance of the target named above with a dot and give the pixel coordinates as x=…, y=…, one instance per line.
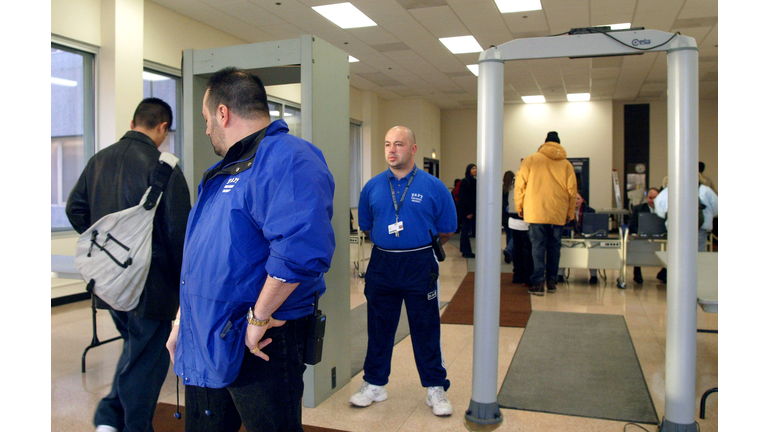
x=114, y=254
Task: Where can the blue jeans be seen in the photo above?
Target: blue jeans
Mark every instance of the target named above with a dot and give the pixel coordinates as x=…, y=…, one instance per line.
x=266, y=396
x=141, y=371
x=545, y=247
x=391, y=278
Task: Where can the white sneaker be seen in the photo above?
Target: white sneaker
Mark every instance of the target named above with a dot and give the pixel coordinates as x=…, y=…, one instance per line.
x=367, y=394
x=439, y=402
x=105, y=428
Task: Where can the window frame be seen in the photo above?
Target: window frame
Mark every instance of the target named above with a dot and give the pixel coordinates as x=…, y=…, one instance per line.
x=178, y=116
x=90, y=76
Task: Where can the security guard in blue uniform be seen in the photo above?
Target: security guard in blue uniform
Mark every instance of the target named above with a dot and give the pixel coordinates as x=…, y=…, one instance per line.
x=401, y=210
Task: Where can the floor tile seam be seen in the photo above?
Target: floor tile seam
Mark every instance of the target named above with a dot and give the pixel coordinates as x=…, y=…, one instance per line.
x=660, y=343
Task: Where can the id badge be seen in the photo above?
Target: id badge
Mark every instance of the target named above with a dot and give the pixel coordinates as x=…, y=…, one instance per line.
x=396, y=227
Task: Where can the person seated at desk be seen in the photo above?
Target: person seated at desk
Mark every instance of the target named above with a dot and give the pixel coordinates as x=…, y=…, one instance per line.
x=646, y=207
x=577, y=224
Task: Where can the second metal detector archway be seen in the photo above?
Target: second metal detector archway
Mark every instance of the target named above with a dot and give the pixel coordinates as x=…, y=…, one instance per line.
x=683, y=142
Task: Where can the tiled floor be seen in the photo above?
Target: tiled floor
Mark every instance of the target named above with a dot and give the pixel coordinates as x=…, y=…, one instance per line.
x=75, y=395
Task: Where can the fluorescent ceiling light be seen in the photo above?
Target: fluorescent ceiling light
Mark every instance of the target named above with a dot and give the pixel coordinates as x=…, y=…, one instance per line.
x=149, y=76
x=508, y=6
x=63, y=82
x=622, y=26
x=475, y=69
x=353, y=60
x=461, y=44
x=534, y=99
x=578, y=97
x=344, y=15
x=274, y=113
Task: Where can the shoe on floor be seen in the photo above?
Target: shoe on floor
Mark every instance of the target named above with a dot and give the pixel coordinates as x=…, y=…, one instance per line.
x=662, y=275
x=638, y=275
x=507, y=257
x=105, y=428
x=537, y=289
x=439, y=402
x=593, y=280
x=468, y=255
x=551, y=286
x=367, y=394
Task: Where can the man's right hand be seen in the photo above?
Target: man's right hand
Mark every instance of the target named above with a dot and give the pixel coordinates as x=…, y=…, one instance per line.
x=171, y=344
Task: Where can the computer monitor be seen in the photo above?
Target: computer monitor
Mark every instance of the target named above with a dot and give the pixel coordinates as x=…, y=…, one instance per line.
x=595, y=225
x=649, y=225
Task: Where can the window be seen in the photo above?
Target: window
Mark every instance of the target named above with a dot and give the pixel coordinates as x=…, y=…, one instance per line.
x=288, y=111
x=166, y=86
x=355, y=163
x=72, y=125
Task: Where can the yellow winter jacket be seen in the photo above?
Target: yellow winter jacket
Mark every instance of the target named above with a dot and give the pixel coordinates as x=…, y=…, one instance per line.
x=545, y=186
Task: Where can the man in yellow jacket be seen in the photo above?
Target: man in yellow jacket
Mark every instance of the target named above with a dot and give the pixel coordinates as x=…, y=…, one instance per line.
x=545, y=196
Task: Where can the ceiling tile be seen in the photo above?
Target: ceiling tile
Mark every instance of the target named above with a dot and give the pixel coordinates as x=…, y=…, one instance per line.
x=403, y=52
x=440, y=21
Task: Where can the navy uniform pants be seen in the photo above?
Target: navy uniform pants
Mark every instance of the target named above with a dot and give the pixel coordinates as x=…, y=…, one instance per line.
x=393, y=277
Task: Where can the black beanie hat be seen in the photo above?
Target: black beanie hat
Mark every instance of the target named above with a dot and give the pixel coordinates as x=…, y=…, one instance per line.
x=552, y=136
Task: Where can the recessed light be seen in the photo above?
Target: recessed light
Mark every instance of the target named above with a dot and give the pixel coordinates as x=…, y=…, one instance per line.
x=461, y=44
x=578, y=97
x=353, y=60
x=509, y=6
x=534, y=99
x=344, y=15
x=475, y=69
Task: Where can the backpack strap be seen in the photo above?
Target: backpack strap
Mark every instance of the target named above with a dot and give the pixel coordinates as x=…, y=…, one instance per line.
x=160, y=179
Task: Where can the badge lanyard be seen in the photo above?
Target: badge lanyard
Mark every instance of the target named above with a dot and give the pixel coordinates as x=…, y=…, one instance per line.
x=394, y=200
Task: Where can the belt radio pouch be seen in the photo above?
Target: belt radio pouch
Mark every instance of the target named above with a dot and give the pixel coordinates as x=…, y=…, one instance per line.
x=315, y=333
x=437, y=246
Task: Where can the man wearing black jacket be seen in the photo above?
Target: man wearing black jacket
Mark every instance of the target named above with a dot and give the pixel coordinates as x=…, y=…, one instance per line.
x=116, y=179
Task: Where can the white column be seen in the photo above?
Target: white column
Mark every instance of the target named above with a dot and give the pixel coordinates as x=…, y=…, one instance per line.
x=484, y=407
x=683, y=142
x=121, y=62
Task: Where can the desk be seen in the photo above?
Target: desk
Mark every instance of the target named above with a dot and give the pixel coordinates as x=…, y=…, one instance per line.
x=593, y=253
x=706, y=290
x=641, y=251
x=706, y=296
x=63, y=266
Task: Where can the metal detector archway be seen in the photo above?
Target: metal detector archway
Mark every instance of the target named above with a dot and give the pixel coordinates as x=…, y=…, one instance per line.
x=683, y=142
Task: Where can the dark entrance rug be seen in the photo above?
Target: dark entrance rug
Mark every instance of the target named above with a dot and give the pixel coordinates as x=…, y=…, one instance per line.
x=164, y=421
x=579, y=365
x=359, y=326
x=514, y=303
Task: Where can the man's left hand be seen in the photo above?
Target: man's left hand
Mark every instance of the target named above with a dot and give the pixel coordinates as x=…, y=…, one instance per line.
x=254, y=335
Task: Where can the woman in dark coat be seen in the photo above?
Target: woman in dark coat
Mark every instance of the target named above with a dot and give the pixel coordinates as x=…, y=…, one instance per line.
x=467, y=207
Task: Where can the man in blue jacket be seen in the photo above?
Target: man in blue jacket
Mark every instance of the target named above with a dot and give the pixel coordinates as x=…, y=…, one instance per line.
x=258, y=242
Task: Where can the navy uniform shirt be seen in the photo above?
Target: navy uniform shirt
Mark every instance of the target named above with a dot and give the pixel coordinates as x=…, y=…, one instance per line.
x=427, y=205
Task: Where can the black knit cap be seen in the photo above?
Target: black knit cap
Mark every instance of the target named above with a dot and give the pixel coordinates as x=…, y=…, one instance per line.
x=552, y=136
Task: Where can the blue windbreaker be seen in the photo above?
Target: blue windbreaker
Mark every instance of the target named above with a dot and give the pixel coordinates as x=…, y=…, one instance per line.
x=268, y=213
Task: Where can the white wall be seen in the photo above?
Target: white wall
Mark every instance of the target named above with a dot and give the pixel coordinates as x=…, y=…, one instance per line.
x=585, y=130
